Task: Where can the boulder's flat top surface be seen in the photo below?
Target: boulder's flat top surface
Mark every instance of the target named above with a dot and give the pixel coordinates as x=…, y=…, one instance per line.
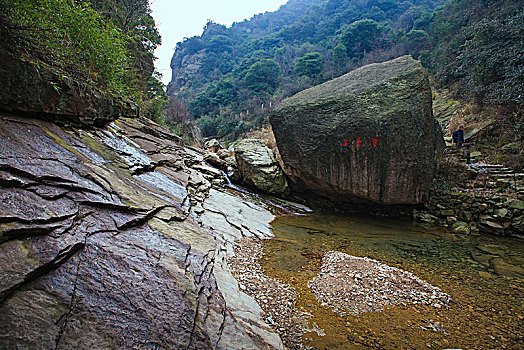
x=355, y=81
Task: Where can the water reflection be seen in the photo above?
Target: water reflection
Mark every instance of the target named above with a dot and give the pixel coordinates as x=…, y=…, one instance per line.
x=483, y=275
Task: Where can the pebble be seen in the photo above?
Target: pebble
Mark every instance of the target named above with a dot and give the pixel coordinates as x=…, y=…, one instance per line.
x=276, y=298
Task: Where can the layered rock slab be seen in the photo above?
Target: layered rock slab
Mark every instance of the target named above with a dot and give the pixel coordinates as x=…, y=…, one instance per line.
x=98, y=248
x=366, y=136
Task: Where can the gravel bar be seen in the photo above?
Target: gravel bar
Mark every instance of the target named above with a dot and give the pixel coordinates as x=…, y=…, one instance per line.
x=352, y=285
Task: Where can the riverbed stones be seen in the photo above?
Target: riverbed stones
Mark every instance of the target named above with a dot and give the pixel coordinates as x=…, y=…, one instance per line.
x=214, y=160
x=517, y=204
x=491, y=224
x=354, y=285
x=503, y=268
x=366, y=136
x=465, y=215
x=259, y=167
x=213, y=145
x=275, y=297
x=425, y=217
x=493, y=214
x=460, y=227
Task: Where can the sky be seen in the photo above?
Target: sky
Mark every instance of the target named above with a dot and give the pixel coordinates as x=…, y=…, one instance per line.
x=177, y=19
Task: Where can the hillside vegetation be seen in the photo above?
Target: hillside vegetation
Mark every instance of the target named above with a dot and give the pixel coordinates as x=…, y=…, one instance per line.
x=107, y=44
x=228, y=76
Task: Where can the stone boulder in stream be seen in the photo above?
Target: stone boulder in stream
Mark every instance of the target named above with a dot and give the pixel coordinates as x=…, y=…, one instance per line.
x=259, y=167
x=367, y=136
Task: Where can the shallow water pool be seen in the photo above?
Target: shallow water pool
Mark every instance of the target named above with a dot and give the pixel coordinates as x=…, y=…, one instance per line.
x=484, y=275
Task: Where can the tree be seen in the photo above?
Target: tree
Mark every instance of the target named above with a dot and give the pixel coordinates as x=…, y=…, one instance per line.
x=208, y=125
x=217, y=94
x=219, y=44
x=176, y=111
x=361, y=37
x=478, y=50
x=493, y=60
x=133, y=18
x=340, y=59
x=416, y=41
x=311, y=65
x=262, y=77
x=71, y=36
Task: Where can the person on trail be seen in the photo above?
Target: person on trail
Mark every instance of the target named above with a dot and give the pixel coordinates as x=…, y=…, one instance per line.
x=458, y=136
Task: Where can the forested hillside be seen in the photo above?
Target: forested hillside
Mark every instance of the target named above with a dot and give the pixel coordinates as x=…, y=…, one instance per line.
x=478, y=50
x=229, y=71
x=227, y=76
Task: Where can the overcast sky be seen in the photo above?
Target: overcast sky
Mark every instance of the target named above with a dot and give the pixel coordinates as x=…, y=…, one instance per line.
x=177, y=19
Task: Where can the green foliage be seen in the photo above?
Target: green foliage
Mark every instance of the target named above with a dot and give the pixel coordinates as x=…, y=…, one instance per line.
x=71, y=35
x=208, y=125
x=310, y=64
x=340, y=59
x=108, y=43
x=416, y=41
x=479, y=49
x=493, y=60
x=442, y=186
x=352, y=32
x=218, y=94
x=362, y=36
x=133, y=18
x=193, y=45
x=262, y=77
x=155, y=101
x=219, y=44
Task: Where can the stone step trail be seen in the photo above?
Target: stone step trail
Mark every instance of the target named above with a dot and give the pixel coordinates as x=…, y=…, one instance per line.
x=497, y=173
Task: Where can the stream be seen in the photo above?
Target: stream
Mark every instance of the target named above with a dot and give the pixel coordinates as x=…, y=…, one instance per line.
x=482, y=274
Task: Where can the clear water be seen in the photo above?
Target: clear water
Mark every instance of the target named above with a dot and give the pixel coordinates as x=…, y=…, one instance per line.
x=487, y=311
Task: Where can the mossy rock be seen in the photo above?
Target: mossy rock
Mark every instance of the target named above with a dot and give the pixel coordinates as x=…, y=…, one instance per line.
x=259, y=167
x=366, y=136
x=44, y=93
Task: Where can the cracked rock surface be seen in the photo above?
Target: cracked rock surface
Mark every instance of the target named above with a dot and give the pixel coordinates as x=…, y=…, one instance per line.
x=118, y=238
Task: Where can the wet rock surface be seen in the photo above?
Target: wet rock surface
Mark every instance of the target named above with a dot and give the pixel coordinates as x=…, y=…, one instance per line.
x=102, y=244
x=353, y=285
x=368, y=135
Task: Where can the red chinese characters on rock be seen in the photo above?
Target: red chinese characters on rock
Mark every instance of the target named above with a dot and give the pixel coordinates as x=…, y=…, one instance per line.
x=358, y=143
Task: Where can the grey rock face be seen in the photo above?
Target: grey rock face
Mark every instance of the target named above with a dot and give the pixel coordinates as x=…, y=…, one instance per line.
x=101, y=246
x=259, y=166
x=366, y=136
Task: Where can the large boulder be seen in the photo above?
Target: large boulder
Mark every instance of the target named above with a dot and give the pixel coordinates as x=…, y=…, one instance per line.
x=259, y=166
x=367, y=136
